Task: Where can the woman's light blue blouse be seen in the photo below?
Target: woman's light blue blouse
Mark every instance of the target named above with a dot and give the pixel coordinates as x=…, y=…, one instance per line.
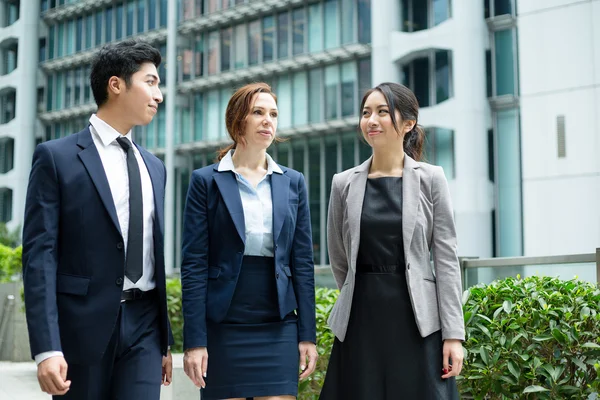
x=258, y=207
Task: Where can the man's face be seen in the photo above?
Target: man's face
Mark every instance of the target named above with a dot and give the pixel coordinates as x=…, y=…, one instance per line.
x=139, y=102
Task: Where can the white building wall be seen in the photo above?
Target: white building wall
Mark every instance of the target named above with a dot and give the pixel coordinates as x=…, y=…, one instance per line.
x=559, y=62
x=466, y=112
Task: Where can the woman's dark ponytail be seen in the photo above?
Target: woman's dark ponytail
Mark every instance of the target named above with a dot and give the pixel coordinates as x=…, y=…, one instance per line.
x=413, y=142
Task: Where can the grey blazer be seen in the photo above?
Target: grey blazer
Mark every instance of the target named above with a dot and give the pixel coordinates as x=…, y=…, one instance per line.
x=428, y=225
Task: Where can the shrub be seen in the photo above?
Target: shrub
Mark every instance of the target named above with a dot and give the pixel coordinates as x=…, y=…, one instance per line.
x=175, y=314
x=533, y=338
x=11, y=267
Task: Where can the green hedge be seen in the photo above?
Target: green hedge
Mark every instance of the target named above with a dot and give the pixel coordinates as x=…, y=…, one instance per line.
x=533, y=338
x=11, y=267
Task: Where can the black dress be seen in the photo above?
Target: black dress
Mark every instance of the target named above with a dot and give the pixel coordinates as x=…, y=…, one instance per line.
x=383, y=356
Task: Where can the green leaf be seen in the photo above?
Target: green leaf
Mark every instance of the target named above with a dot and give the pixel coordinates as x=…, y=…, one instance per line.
x=485, y=355
x=507, y=306
x=585, y=312
x=535, y=389
x=590, y=345
x=514, y=369
x=542, y=338
x=579, y=363
x=559, y=336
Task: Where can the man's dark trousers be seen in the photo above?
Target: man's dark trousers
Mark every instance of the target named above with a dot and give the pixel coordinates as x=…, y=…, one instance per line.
x=131, y=367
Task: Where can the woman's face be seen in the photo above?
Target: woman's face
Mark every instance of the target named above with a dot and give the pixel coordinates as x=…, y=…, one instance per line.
x=376, y=123
x=261, y=122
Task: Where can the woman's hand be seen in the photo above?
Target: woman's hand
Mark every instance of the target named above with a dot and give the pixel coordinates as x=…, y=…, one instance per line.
x=195, y=364
x=453, y=350
x=307, y=350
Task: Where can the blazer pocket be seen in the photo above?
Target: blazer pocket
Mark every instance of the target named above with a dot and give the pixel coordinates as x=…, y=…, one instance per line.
x=214, y=272
x=288, y=271
x=294, y=201
x=432, y=280
x=72, y=284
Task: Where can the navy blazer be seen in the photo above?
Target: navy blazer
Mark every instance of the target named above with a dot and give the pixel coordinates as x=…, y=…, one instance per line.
x=213, y=249
x=73, y=250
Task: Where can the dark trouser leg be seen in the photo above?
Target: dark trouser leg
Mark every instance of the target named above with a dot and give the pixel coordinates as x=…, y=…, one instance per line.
x=137, y=368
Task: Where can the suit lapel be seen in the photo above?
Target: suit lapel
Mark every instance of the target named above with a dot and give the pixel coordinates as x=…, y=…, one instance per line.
x=356, y=196
x=411, y=190
x=280, y=190
x=91, y=160
x=230, y=193
x=157, y=186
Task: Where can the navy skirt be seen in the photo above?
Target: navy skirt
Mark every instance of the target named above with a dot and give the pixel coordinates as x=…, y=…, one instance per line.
x=253, y=352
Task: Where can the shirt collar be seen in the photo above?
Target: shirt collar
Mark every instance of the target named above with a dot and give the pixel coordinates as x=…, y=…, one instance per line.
x=226, y=164
x=105, y=132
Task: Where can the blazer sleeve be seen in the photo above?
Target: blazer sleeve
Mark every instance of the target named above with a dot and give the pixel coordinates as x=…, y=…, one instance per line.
x=194, y=267
x=40, y=253
x=445, y=259
x=304, y=268
x=335, y=242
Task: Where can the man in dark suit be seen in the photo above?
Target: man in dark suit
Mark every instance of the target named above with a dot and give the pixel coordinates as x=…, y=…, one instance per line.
x=93, y=258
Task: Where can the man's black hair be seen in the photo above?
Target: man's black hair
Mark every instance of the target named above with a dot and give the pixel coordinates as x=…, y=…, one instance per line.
x=121, y=59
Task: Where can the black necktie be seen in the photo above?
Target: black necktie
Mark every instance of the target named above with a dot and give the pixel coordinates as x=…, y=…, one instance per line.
x=135, y=243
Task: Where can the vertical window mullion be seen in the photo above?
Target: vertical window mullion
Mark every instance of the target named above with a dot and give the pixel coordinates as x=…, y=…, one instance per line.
x=322, y=202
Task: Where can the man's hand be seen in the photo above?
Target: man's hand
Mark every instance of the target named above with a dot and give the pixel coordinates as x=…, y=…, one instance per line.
x=52, y=376
x=167, y=369
x=195, y=364
x=307, y=350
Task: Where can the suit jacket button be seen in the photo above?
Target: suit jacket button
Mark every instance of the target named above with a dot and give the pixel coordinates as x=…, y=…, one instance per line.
x=277, y=275
x=119, y=281
x=120, y=245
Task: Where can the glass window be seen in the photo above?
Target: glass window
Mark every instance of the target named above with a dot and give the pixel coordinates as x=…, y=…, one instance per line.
x=253, y=42
x=299, y=21
x=441, y=11
x=87, y=91
x=315, y=27
x=421, y=80
x=364, y=21
x=187, y=7
x=364, y=75
x=225, y=95
x=332, y=83
x=298, y=156
x=213, y=118
x=150, y=133
x=98, y=28
x=141, y=11
x=60, y=89
x=314, y=194
x=348, y=142
x=284, y=100
x=315, y=80
x=442, y=76
x=77, y=81
x=51, y=38
x=213, y=52
x=283, y=152
x=119, y=22
x=212, y=5
x=49, y=92
x=488, y=72
x=70, y=38
x=509, y=184
x=187, y=57
x=162, y=70
x=198, y=116
x=108, y=25
x=60, y=37
x=79, y=34
x=349, y=77
x=225, y=49
x=283, y=22
x=332, y=30
x=364, y=150
x=502, y=7
x=43, y=50
x=241, y=46
x=505, y=62
x=419, y=20
x=151, y=14
x=68, y=87
x=163, y=13
x=130, y=17
x=268, y=38
x=300, y=98
x=439, y=149
x=199, y=57
x=349, y=21
x=89, y=20
x=186, y=124
x=162, y=127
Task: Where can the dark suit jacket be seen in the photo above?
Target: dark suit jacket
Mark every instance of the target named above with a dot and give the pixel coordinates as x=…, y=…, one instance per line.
x=213, y=248
x=73, y=256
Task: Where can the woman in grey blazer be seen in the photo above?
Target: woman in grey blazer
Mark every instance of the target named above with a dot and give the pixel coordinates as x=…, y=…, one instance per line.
x=398, y=321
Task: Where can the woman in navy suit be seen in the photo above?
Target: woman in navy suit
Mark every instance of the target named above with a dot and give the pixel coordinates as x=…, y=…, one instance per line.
x=247, y=272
